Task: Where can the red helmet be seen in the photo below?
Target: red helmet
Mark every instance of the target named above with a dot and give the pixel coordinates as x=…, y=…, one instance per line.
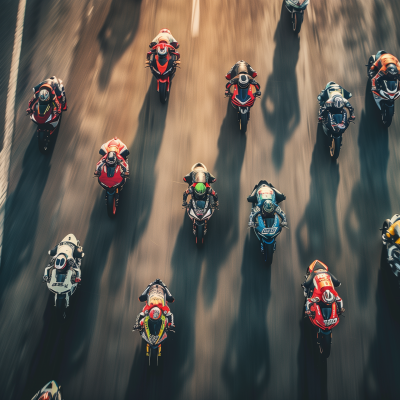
x=165, y=31
x=155, y=313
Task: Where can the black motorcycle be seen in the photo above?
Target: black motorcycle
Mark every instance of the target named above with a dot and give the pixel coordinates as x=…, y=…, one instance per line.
x=296, y=9
x=50, y=391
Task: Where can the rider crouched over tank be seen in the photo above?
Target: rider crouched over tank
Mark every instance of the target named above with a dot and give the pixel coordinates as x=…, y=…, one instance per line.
x=157, y=296
x=265, y=198
x=65, y=255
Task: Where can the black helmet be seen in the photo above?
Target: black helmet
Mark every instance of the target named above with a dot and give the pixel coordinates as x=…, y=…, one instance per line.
x=243, y=81
x=111, y=159
x=392, y=69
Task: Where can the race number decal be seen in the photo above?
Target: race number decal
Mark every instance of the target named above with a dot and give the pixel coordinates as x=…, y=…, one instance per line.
x=329, y=322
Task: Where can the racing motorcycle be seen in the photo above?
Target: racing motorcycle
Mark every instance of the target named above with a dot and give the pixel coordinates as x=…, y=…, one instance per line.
x=49, y=391
x=323, y=316
x=200, y=211
x=47, y=122
x=242, y=99
x=163, y=68
x=334, y=126
x=155, y=330
x=385, y=94
x=267, y=229
x=62, y=281
x=392, y=248
x=296, y=9
x=112, y=180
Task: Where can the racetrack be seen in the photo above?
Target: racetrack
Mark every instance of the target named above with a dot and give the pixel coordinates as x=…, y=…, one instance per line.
x=240, y=332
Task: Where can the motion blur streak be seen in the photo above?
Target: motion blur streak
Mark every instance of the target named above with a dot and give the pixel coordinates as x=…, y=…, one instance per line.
x=240, y=332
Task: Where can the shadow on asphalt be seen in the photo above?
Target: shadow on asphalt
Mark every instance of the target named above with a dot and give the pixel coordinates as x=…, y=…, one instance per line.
x=246, y=366
x=281, y=93
x=317, y=233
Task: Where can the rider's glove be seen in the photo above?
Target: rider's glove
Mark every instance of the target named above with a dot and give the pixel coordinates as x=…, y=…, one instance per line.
x=184, y=204
x=257, y=94
x=308, y=312
x=216, y=204
x=29, y=111
x=283, y=223
x=137, y=327
x=45, y=278
x=319, y=119
x=252, y=224
x=341, y=311
x=352, y=117
x=226, y=93
x=97, y=173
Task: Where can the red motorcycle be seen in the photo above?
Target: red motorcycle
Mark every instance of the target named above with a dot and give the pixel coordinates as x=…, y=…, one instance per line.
x=163, y=61
x=323, y=316
x=48, y=122
x=112, y=180
x=242, y=99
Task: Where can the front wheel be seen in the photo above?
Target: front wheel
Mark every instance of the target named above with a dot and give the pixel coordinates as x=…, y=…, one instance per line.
x=111, y=206
x=60, y=309
x=269, y=253
x=335, y=146
x=325, y=342
x=44, y=141
x=162, y=88
x=243, y=122
x=297, y=21
x=387, y=120
x=200, y=234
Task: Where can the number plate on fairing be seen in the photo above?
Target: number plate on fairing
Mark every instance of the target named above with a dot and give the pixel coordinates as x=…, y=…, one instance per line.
x=269, y=231
x=329, y=322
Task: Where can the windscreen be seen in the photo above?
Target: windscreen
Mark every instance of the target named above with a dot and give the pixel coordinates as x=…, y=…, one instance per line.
x=200, y=204
x=391, y=85
x=338, y=118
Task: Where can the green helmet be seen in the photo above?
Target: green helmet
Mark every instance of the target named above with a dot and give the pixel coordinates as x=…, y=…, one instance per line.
x=200, y=189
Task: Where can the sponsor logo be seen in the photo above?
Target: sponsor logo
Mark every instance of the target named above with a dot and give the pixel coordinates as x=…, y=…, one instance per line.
x=329, y=322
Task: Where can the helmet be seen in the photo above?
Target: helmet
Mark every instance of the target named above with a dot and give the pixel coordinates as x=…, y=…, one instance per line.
x=44, y=95
x=268, y=206
x=328, y=297
x=337, y=101
x=165, y=31
x=200, y=189
x=162, y=51
x=61, y=261
x=111, y=159
x=392, y=69
x=46, y=396
x=155, y=313
x=243, y=81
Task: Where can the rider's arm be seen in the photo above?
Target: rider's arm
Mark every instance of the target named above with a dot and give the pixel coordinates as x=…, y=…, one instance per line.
x=377, y=65
x=251, y=71
x=281, y=214
x=391, y=232
x=213, y=193
x=229, y=74
x=254, y=213
x=188, y=191
x=335, y=281
x=307, y=284
x=350, y=108
x=255, y=83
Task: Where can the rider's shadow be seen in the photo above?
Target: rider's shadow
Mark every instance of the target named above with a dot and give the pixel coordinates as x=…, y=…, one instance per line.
x=280, y=101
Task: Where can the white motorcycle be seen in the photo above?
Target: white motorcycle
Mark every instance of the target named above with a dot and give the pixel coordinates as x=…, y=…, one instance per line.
x=63, y=280
x=393, y=249
x=296, y=9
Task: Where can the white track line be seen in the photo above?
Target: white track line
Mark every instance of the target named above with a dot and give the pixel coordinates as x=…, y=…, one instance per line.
x=5, y=155
x=195, y=18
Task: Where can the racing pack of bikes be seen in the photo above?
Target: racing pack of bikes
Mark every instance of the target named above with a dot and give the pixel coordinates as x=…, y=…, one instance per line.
x=323, y=306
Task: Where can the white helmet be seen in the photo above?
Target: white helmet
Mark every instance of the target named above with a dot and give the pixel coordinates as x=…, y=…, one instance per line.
x=328, y=297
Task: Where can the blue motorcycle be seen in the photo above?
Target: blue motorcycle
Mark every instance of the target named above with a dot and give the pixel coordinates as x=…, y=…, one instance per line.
x=266, y=229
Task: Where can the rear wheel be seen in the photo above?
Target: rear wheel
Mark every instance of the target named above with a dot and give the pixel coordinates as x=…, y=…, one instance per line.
x=334, y=148
x=243, y=122
x=297, y=21
x=162, y=88
x=111, y=207
x=269, y=253
x=325, y=342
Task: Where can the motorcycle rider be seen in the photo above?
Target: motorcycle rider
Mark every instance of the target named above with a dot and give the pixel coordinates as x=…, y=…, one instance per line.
x=62, y=259
x=266, y=207
x=329, y=295
x=155, y=304
x=164, y=36
x=332, y=99
x=238, y=75
x=199, y=191
x=114, y=153
x=51, y=89
x=392, y=234
x=386, y=66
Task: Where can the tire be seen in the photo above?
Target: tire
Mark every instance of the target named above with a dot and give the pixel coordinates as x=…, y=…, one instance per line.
x=387, y=120
x=60, y=309
x=269, y=253
x=325, y=345
x=297, y=22
x=386, y=225
x=111, y=208
x=43, y=142
x=334, y=148
x=162, y=88
x=243, y=122
x=200, y=234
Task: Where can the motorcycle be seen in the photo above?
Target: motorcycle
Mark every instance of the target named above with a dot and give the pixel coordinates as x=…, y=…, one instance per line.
x=200, y=211
x=323, y=316
x=334, y=126
x=385, y=95
x=267, y=229
x=242, y=99
x=62, y=280
x=163, y=69
x=112, y=180
x=296, y=9
x=392, y=248
x=49, y=391
x=155, y=331
x=47, y=124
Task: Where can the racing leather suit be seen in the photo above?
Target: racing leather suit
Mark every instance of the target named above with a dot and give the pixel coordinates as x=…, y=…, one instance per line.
x=326, y=104
x=236, y=70
x=72, y=262
x=58, y=94
x=121, y=151
x=392, y=233
x=380, y=67
x=164, y=37
x=190, y=190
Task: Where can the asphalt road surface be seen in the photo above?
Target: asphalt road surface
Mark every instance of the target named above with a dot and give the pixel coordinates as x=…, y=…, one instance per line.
x=240, y=332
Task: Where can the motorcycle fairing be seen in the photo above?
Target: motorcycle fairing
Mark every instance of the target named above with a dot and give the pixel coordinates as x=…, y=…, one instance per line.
x=60, y=283
x=110, y=181
x=199, y=210
x=154, y=339
x=268, y=232
x=322, y=319
x=243, y=97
